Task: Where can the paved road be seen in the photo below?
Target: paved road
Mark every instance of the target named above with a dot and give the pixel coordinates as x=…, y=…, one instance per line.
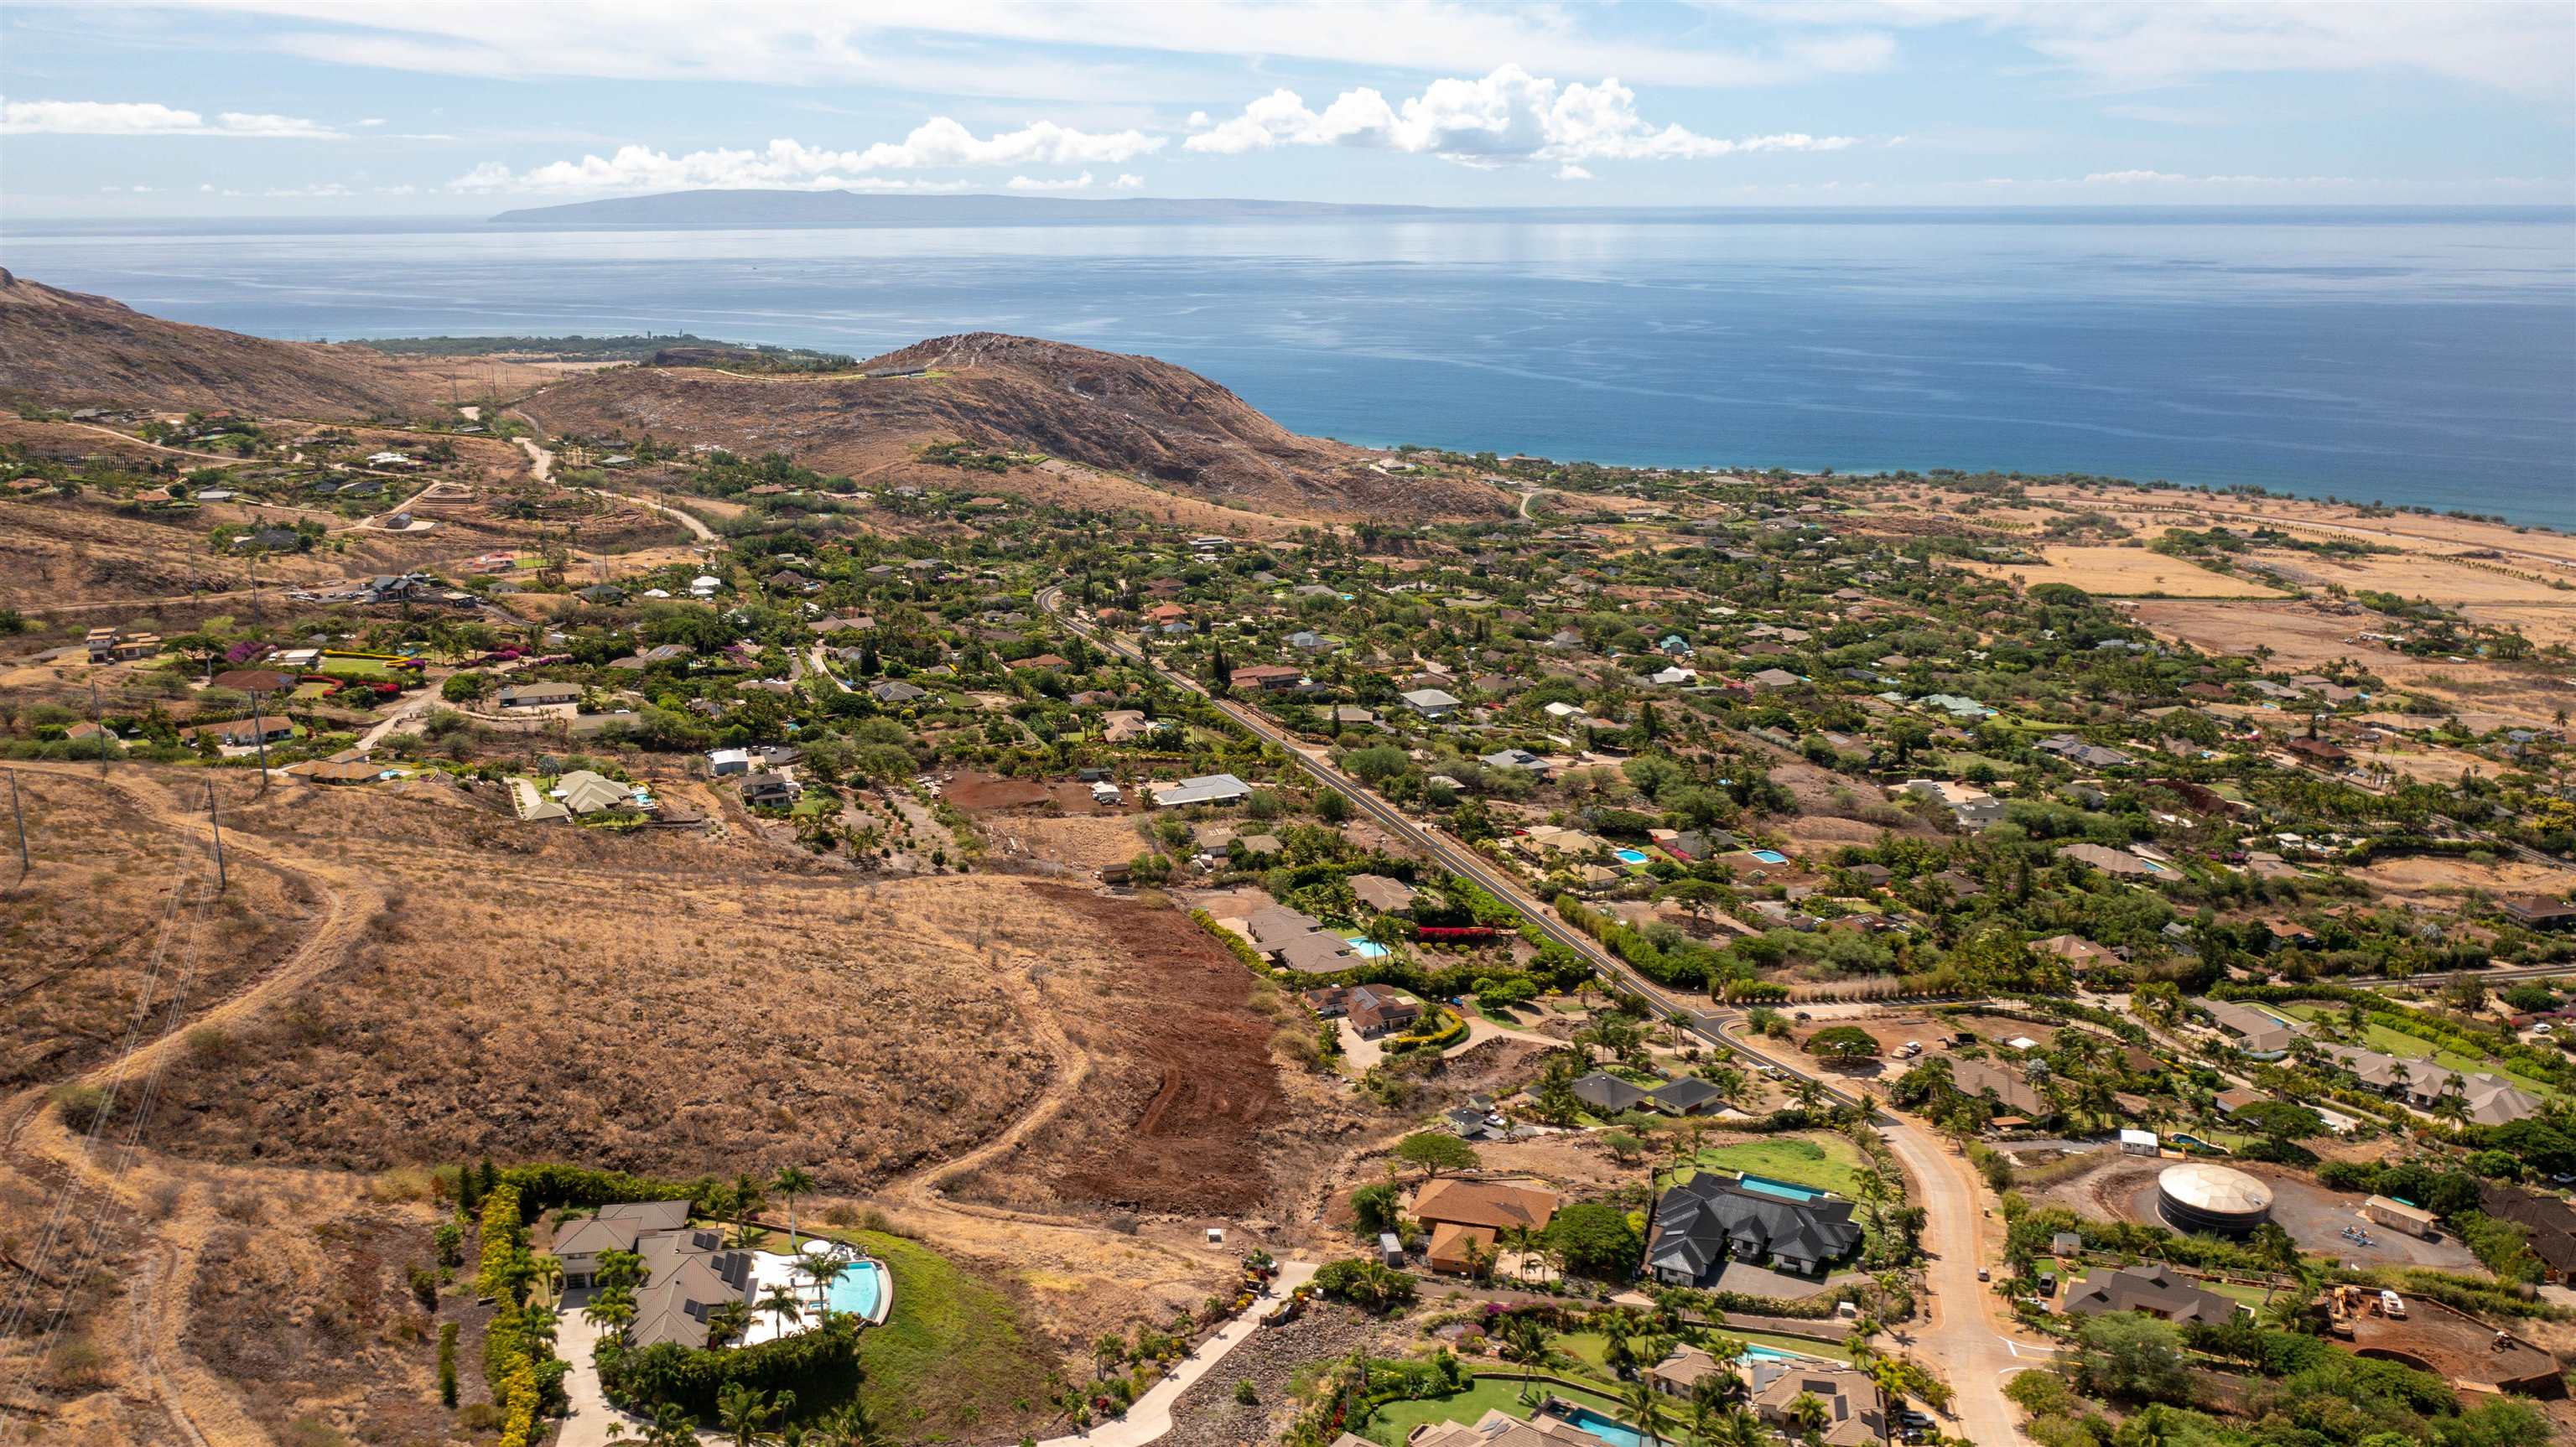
x=1151, y=1416
x=1961, y=1345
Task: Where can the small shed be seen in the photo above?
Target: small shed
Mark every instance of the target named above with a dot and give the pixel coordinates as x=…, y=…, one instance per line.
x=1390, y=1248
x=2138, y=1142
x=2399, y=1215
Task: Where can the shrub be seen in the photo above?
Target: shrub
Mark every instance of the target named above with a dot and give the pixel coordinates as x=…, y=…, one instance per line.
x=1366, y=1284
x=81, y=1105
x=447, y=1363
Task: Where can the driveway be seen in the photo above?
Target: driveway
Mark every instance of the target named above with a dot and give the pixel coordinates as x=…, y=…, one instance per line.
x=1151, y=1416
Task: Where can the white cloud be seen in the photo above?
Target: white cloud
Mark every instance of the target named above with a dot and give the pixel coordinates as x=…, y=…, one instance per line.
x=1065, y=183
x=1508, y=116
x=2169, y=178
x=2142, y=43
x=1128, y=181
x=127, y=190
x=793, y=165
x=148, y=118
x=2131, y=178
x=324, y=189
x=1051, y=49
x=1572, y=172
x=373, y=121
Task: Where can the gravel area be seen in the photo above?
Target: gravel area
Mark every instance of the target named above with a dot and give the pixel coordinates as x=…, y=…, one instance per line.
x=1207, y=1415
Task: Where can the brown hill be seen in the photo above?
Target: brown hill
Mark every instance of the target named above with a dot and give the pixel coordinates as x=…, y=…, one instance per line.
x=1132, y=416
x=70, y=349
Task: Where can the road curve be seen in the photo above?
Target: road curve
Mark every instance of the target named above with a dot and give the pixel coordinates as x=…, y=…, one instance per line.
x=1961, y=1344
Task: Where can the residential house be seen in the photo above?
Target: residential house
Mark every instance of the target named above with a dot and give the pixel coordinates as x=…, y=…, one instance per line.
x=538, y=695
x=1124, y=725
x=2155, y=1290
x=2076, y=751
x=1204, y=789
x=1712, y=1219
x=1267, y=678
x=2256, y=1032
x=2081, y=954
x=1855, y=1411
x=2534, y=911
x=1350, y=716
x=769, y=791
x=2117, y=862
x=245, y=733
x=1608, y=1094
x=585, y=792
x=689, y=1276
x=1521, y=759
x=1384, y=895
x=1431, y=703
x=1688, y=1095
x=2013, y=1096
x=895, y=690
x=1470, y=1216
x=1685, y=1369
x=2548, y=1225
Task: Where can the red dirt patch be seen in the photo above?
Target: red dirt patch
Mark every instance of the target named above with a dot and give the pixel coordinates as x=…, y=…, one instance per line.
x=1181, y=1085
x=977, y=793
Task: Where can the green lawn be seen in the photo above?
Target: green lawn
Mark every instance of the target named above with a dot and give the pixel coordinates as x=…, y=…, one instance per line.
x=952, y=1353
x=2408, y=1047
x=1392, y=1421
x=371, y=668
x=1825, y=1162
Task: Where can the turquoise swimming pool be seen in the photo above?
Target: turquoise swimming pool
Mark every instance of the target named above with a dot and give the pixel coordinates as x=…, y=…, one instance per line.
x=1774, y=1354
x=1785, y=1190
x=1608, y=1429
x=1632, y=856
x=858, y=1290
x=1770, y=856
x=1368, y=949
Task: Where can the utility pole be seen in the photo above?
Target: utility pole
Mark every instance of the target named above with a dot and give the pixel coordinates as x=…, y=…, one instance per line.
x=98, y=716
x=259, y=736
x=19, y=811
x=218, y=826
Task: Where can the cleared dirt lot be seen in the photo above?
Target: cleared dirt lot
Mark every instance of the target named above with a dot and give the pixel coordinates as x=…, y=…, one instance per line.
x=2126, y=572
x=1178, y=1105
x=2428, y=877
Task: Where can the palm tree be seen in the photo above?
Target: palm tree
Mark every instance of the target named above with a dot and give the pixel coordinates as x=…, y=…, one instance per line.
x=1524, y=1342
x=791, y=1182
x=1805, y=1414
x=1740, y=1428
x=1637, y=1407
x=728, y=1324
x=611, y=1308
x=745, y=1414
x=822, y=1270
x=781, y=1302
x=850, y=1425
x=746, y=1199
x=671, y=1427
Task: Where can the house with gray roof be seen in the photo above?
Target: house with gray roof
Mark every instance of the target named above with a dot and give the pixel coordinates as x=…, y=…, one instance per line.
x=1712, y=1219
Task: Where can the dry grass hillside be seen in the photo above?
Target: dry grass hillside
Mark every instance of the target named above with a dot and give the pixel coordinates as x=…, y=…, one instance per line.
x=1133, y=416
x=70, y=349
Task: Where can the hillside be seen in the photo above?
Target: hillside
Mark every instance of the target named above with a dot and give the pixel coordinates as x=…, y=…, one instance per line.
x=1124, y=415
x=70, y=349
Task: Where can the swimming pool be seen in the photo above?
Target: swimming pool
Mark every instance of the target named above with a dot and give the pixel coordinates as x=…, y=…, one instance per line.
x=1770, y=856
x=1368, y=949
x=1608, y=1429
x=1785, y=1190
x=1632, y=856
x=858, y=1290
x=1775, y=1354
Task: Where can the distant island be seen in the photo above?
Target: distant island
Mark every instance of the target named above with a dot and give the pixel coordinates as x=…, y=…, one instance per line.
x=851, y=208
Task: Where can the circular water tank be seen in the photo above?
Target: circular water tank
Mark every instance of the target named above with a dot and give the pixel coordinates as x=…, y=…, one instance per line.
x=2197, y=1196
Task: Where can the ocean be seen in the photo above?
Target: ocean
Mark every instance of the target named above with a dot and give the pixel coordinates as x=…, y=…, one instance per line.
x=2415, y=356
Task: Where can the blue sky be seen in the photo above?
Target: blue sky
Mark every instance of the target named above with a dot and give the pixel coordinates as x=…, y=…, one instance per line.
x=465, y=107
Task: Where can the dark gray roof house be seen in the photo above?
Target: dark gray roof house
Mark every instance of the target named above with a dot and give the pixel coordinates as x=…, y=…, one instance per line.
x=1607, y=1094
x=2155, y=1290
x=1712, y=1219
x=1689, y=1095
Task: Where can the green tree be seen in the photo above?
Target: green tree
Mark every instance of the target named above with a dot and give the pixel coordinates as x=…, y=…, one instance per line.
x=2132, y=1357
x=1843, y=1043
x=1596, y=1239
x=1433, y=1151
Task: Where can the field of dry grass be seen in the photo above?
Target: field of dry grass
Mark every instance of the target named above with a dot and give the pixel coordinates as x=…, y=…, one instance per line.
x=97, y=913
x=2303, y=637
x=2115, y=572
